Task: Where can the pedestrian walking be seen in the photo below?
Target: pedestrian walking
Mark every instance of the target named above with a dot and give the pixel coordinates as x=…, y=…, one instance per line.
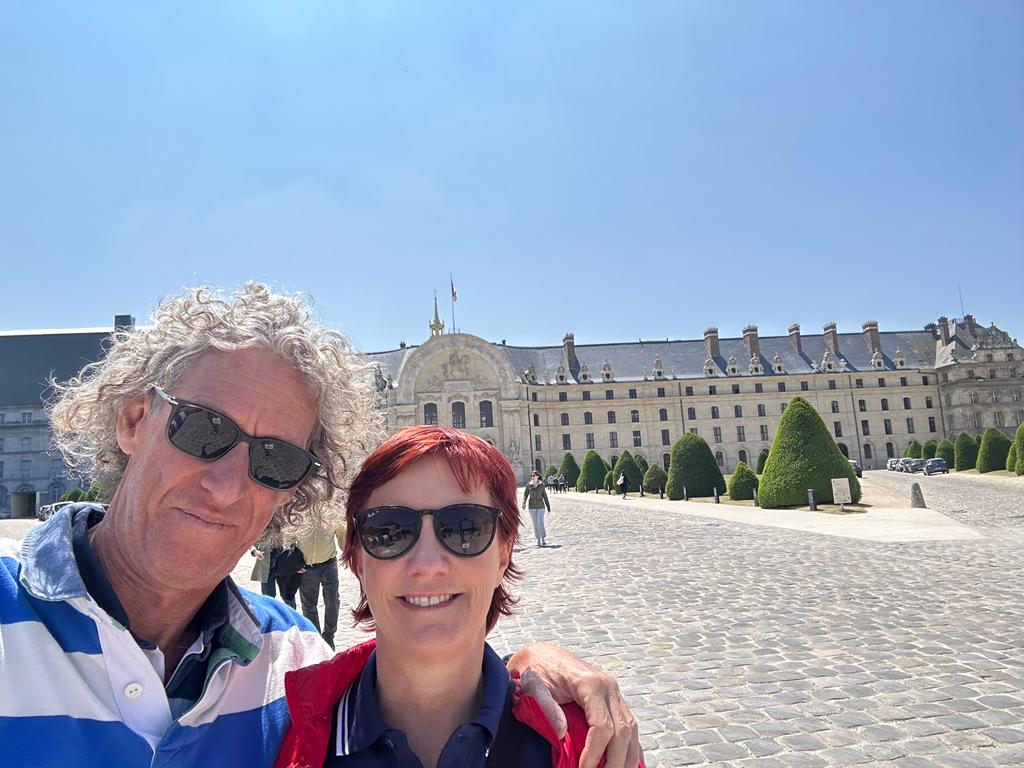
x=623, y=483
x=321, y=572
x=535, y=498
x=263, y=570
x=562, y=485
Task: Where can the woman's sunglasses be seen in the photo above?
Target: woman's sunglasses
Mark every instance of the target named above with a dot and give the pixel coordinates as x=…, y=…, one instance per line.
x=466, y=530
x=208, y=435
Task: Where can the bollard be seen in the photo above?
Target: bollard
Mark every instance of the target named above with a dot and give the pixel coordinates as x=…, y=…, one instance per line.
x=756, y=502
x=641, y=490
x=661, y=492
x=811, y=501
x=917, y=497
x=716, y=495
x=685, y=498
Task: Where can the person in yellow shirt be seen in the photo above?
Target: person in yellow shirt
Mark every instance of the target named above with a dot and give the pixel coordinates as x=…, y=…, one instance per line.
x=320, y=551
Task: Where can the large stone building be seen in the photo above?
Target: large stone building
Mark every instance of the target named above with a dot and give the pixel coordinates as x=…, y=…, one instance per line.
x=876, y=391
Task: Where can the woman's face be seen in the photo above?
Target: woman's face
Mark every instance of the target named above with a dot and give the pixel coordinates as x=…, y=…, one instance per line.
x=464, y=585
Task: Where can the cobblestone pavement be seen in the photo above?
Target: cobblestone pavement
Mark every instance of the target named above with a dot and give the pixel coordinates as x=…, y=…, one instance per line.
x=746, y=645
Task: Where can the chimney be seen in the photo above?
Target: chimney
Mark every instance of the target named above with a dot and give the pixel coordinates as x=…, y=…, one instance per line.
x=750, y=339
x=831, y=338
x=969, y=323
x=569, y=345
x=871, y=335
x=711, y=342
x=123, y=322
x=944, y=330
x=794, y=338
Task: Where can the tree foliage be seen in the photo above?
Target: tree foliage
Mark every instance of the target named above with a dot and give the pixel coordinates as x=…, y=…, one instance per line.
x=742, y=483
x=592, y=475
x=1011, y=458
x=965, y=452
x=627, y=464
x=693, y=467
x=641, y=463
x=946, y=451
x=913, y=450
x=570, y=469
x=1019, y=442
x=928, y=449
x=762, y=457
x=655, y=479
x=995, y=445
x=803, y=455
x=551, y=470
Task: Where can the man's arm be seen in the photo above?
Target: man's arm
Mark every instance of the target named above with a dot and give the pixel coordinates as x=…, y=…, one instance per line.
x=554, y=676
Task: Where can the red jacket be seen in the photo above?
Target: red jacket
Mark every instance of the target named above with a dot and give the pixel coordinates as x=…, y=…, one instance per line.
x=313, y=694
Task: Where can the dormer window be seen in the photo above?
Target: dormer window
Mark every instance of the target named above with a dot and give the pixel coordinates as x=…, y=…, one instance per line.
x=900, y=360
x=755, y=365
x=877, y=361
x=659, y=369
x=606, y=371
x=777, y=365
x=827, y=363
x=584, y=373
x=531, y=374
x=560, y=374
x=709, y=367
x=733, y=370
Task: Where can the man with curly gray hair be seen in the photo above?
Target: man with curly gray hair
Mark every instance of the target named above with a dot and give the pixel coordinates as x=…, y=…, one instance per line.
x=123, y=639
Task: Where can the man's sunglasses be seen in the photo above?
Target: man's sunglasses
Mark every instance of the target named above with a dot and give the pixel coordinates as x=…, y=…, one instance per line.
x=465, y=530
x=208, y=435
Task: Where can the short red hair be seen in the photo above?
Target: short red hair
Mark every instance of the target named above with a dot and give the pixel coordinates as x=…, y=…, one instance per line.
x=473, y=461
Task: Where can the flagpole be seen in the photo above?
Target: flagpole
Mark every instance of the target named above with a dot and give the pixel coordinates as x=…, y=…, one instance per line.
x=451, y=298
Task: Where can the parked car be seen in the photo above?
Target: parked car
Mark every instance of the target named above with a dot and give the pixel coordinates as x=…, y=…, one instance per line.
x=915, y=465
x=891, y=464
x=856, y=468
x=46, y=511
x=936, y=466
x=904, y=464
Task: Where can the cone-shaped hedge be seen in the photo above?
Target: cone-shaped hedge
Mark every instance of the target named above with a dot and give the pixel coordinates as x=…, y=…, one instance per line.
x=570, y=469
x=1019, y=442
x=608, y=481
x=803, y=456
x=928, y=450
x=655, y=479
x=762, y=457
x=592, y=475
x=627, y=464
x=946, y=451
x=1011, y=458
x=994, y=447
x=551, y=470
x=966, y=452
x=742, y=483
x=641, y=463
x=913, y=450
x=693, y=467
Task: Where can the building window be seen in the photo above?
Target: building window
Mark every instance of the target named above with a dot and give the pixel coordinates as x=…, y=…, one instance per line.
x=661, y=391
x=931, y=423
x=609, y=394
x=565, y=419
x=534, y=396
x=614, y=460
x=632, y=394
x=26, y=469
x=761, y=410
x=691, y=414
x=665, y=439
x=634, y=416
x=588, y=417
x=663, y=414
x=486, y=414
x=949, y=400
x=764, y=433
x=536, y=442
x=693, y=431
x=835, y=406
x=26, y=417
x=743, y=456
x=611, y=417
x=714, y=411
x=720, y=458
x=903, y=381
x=566, y=442
x=858, y=383
x=928, y=402
x=864, y=428
x=459, y=415
x=613, y=441
x=862, y=406
x=890, y=451
x=718, y=434
x=998, y=416
x=586, y=394
x=782, y=407
x=782, y=386
x=881, y=382
x=867, y=451
x=910, y=426
x=689, y=391
x=636, y=438
x=992, y=373
x=758, y=388
x=666, y=459
x=712, y=390
x=741, y=435
x=26, y=443
x=906, y=403
x=804, y=386
x=977, y=420
x=885, y=404
x=563, y=396
x=973, y=397
x=970, y=374
x=887, y=426
x=735, y=389
x=837, y=427
x=737, y=411
x=831, y=383
x=536, y=420
x=590, y=441
x=3, y=418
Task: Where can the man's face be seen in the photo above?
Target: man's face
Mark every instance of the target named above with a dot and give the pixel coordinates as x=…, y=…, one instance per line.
x=183, y=523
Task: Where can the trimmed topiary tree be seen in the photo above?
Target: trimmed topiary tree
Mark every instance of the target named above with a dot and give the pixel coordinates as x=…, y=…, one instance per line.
x=608, y=481
x=692, y=466
x=1019, y=442
x=803, y=456
x=655, y=479
x=1011, y=458
x=570, y=469
x=641, y=463
x=762, y=457
x=995, y=445
x=75, y=494
x=965, y=452
x=913, y=450
x=627, y=464
x=551, y=470
x=928, y=449
x=946, y=451
x=592, y=475
x=742, y=483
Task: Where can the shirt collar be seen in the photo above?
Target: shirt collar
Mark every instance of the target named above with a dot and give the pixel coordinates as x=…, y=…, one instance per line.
x=360, y=722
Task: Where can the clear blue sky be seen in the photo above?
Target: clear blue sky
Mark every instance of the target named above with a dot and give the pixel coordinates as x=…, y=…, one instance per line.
x=701, y=163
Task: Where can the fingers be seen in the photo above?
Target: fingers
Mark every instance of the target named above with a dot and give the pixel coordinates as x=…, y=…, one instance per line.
x=531, y=684
x=613, y=729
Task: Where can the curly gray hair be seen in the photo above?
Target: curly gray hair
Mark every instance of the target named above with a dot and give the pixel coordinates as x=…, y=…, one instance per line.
x=84, y=410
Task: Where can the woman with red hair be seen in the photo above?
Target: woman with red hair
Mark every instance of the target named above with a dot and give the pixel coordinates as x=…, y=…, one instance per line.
x=432, y=520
